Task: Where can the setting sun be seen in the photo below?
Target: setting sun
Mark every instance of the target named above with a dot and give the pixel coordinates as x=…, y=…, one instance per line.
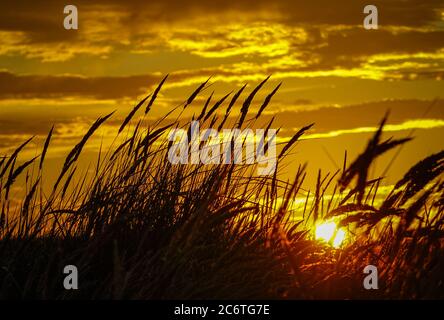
x=329, y=233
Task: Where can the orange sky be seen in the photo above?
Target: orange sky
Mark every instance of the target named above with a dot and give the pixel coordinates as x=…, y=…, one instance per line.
x=334, y=72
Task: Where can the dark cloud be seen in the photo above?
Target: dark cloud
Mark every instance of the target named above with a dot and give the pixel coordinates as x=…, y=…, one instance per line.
x=353, y=47
x=14, y=86
x=362, y=115
x=42, y=19
x=36, y=86
x=380, y=41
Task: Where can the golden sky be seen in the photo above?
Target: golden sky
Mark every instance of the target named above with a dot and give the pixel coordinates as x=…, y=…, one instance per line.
x=334, y=72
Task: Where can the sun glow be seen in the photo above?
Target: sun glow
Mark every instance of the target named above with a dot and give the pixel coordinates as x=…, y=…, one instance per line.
x=329, y=232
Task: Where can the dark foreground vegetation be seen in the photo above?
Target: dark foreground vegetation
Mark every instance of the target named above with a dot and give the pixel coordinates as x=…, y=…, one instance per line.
x=142, y=228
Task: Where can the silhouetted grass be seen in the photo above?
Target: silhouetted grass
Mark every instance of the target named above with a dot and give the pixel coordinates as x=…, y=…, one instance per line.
x=142, y=228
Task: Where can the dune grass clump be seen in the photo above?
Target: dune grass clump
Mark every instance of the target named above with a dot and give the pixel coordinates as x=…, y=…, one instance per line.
x=139, y=227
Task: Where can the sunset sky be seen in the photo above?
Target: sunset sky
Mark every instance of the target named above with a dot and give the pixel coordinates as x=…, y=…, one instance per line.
x=334, y=72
